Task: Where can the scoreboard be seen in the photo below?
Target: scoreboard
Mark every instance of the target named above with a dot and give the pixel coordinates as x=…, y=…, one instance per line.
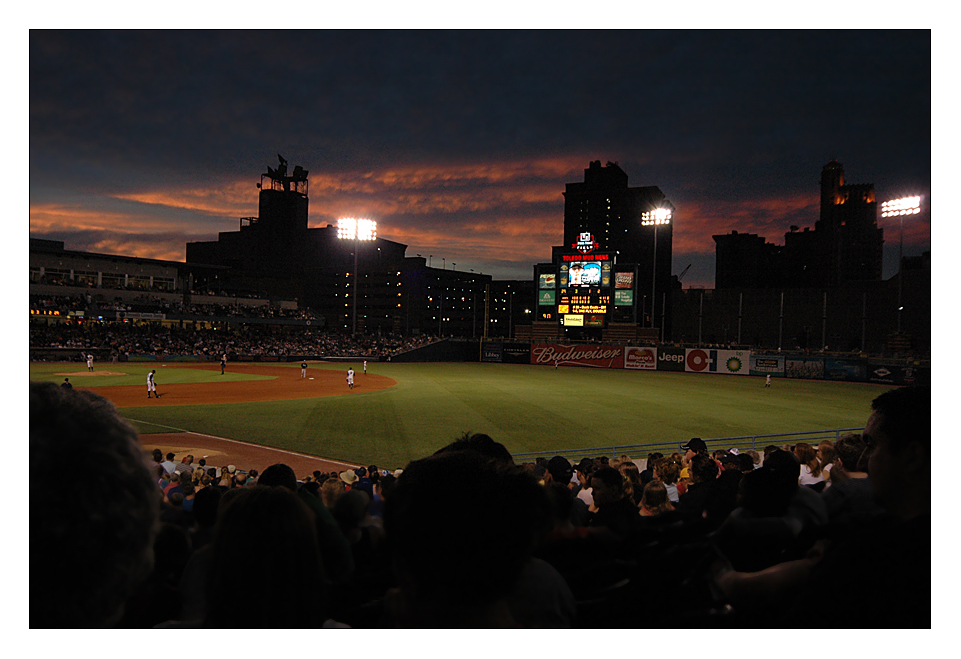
x=584, y=300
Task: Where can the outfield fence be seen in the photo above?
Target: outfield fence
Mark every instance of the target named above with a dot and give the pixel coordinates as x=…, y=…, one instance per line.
x=641, y=451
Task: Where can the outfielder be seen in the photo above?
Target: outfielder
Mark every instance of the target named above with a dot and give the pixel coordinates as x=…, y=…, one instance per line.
x=223, y=363
x=365, y=367
x=350, y=378
x=151, y=386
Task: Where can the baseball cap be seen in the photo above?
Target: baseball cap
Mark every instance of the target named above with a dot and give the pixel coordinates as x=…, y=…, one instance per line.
x=695, y=444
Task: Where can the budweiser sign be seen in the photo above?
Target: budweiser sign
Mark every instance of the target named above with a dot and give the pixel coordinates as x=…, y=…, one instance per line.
x=595, y=356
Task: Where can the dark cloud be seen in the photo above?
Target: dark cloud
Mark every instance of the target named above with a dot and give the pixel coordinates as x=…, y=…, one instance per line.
x=726, y=119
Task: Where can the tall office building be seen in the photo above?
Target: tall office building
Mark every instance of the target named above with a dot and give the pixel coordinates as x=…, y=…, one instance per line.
x=845, y=245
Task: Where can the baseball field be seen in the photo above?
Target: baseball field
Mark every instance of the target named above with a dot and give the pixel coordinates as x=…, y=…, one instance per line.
x=399, y=412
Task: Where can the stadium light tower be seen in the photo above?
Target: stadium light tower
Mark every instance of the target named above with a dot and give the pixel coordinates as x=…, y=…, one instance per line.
x=900, y=208
x=349, y=228
x=655, y=218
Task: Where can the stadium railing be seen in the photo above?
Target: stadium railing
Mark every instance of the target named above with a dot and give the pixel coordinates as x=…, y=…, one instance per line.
x=641, y=451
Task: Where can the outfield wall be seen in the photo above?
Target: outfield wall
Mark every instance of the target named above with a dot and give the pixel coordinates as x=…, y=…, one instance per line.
x=725, y=362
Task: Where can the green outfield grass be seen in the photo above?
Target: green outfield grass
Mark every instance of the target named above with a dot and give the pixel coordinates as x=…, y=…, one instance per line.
x=133, y=373
x=527, y=408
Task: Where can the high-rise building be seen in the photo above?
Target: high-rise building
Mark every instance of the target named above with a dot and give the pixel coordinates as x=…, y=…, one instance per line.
x=613, y=272
x=845, y=245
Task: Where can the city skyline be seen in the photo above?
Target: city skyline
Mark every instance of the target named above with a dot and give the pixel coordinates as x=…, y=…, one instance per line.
x=460, y=144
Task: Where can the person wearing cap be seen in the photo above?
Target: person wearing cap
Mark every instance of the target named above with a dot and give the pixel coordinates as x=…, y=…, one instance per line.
x=695, y=446
x=66, y=384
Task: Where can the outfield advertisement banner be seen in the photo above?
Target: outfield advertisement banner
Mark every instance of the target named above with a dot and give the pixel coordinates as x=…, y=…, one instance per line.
x=767, y=365
x=731, y=362
x=493, y=352
x=640, y=358
x=853, y=370
x=897, y=374
x=809, y=369
x=578, y=355
x=670, y=359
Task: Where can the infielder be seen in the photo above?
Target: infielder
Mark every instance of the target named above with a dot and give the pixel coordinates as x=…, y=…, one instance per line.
x=303, y=370
x=89, y=362
x=151, y=386
x=365, y=367
x=350, y=378
x=223, y=363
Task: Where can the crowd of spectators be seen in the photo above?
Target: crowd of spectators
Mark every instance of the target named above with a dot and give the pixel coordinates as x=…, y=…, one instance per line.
x=124, y=339
x=95, y=303
x=467, y=538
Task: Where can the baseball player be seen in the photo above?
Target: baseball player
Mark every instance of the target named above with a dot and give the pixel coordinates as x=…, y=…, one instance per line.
x=350, y=378
x=66, y=384
x=767, y=380
x=303, y=369
x=89, y=362
x=150, y=385
x=365, y=367
x=223, y=363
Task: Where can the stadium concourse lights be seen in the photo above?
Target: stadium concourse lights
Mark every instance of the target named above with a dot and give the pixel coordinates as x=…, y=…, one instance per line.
x=655, y=218
x=899, y=208
x=349, y=228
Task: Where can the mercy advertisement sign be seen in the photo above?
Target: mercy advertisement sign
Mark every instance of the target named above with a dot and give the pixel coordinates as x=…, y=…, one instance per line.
x=640, y=358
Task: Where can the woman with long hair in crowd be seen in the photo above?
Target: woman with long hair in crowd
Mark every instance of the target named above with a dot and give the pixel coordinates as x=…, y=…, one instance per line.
x=826, y=455
x=654, y=500
x=811, y=472
x=632, y=480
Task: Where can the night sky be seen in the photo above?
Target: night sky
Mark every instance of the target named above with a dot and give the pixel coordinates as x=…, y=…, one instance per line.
x=459, y=144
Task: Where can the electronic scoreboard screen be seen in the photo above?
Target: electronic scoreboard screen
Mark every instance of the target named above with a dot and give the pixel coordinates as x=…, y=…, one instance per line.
x=583, y=301
x=584, y=274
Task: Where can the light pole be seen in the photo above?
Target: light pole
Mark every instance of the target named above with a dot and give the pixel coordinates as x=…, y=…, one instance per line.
x=655, y=218
x=901, y=207
x=349, y=228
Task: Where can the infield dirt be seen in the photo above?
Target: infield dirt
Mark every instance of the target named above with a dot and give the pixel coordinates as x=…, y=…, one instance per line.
x=287, y=385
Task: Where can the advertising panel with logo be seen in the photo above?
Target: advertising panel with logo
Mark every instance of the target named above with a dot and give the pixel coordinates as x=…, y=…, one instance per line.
x=623, y=280
x=853, y=370
x=808, y=369
x=492, y=352
x=547, y=280
x=623, y=298
x=572, y=320
x=897, y=374
x=670, y=359
x=545, y=297
x=731, y=362
x=767, y=365
x=579, y=355
x=640, y=358
x=517, y=353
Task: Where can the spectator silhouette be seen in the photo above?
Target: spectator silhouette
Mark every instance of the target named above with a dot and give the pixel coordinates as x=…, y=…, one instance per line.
x=90, y=546
x=267, y=537
x=461, y=528
x=333, y=545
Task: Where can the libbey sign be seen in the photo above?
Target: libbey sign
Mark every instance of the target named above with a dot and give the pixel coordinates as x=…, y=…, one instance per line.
x=585, y=243
x=594, y=356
